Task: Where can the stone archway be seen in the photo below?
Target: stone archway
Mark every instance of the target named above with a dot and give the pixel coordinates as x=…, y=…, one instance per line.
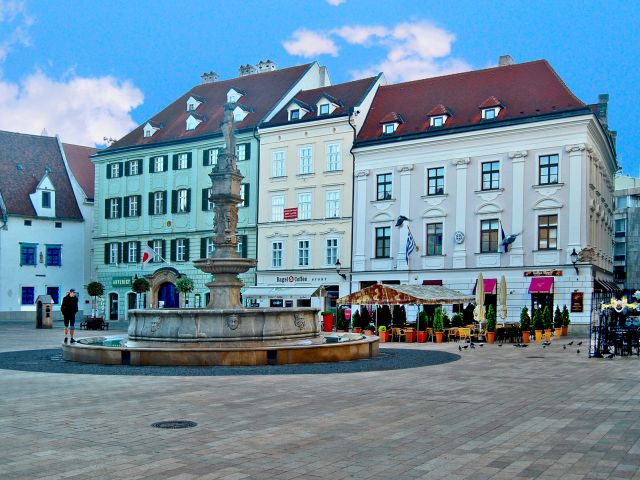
x=157, y=279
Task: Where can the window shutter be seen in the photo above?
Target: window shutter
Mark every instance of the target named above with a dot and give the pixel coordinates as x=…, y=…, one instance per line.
x=174, y=201
x=137, y=252
x=126, y=206
x=140, y=166
x=186, y=250
x=119, y=253
x=106, y=208
x=106, y=253
x=189, y=160
x=127, y=168
x=246, y=194
x=243, y=253
x=175, y=161
x=125, y=252
x=139, y=205
x=165, y=163
x=119, y=202
x=203, y=247
x=150, y=203
x=205, y=158
x=151, y=164
x=108, y=170
x=188, y=200
x=150, y=243
x=164, y=249
x=121, y=166
x=173, y=250
x=205, y=199
x=247, y=151
x=164, y=202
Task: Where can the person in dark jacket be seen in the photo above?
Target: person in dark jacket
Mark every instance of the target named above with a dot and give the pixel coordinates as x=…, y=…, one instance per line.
x=69, y=309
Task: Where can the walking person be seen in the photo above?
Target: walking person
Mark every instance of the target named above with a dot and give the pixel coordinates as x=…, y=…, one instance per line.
x=69, y=309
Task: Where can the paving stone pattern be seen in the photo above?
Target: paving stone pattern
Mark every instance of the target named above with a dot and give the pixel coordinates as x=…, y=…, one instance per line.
x=497, y=413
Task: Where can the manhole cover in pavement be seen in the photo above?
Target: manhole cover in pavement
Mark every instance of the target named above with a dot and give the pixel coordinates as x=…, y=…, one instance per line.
x=174, y=424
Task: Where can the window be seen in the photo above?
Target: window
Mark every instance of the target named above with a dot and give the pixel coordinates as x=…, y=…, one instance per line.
x=620, y=227
x=303, y=253
x=113, y=208
x=334, y=162
x=324, y=109
x=54, y=255
x=434, y=239
x=211, y=157
x=114, y=253
x=489, y=113
x=276, y=254
x=28, y=295
x=621, y=202
x=437, y=121
x=304, y=206
x=242, y=151
x=435, y=181
x=27, y=223
x=242, y=246
x=277, y=208
x=489, y=236
x=294, y=114
x=132, y=252
x=132, y=167
x=547, y=232
x=490, y=175
x=388, y=128
x=332, y=251
x=181, y=249
x=132, y=206
x=548, y=169
x=28, y=254
x=58, y=224
x=209, y=246
x=384, y=186
x=244, y=195
x=158, y=203
x=277, y=164
x=46, y=199
x=158, y=164
x=191, y=106
x=207, y=204
x=147, y=133
x=383, y=242
x=306, y=160
x=114, y=168
x=333, y=204
x=158, y=247
x=619, y=252
x=183, y=159
x=182, y=201
x=54, y=293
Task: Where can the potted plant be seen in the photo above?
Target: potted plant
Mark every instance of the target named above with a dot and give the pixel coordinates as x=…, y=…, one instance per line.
x=355, y=321
x=547, y=322
x=383, y=334
x=537, y=324
x=421, y=326
x=525, y=324
x=184, y=285
x=491, y=324
x=327, y=320
x=457, y=320
x=95, y=290
x=565, y=321
x=342, y=324
x=438, y=325
x=557, y=322
x=370, y=329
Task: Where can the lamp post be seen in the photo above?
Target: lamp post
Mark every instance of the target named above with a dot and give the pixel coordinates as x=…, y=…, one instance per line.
x=574, y=259
x=338, y=265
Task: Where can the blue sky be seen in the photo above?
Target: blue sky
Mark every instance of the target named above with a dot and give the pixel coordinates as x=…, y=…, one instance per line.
x=89, y=70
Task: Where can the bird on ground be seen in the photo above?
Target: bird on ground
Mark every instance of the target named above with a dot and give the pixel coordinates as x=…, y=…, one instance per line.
x=546, y=344
x=499, y=344
x=459, y=348
x=578, y=352
x=564, y=347
x=579, y=343
x=466, y=346
x=611, y=355
x=481, y=344
x=570, y=343
x=401, y=219
x=472, y=346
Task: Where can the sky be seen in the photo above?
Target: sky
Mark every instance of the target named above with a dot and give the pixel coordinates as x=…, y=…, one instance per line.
x=94, y=70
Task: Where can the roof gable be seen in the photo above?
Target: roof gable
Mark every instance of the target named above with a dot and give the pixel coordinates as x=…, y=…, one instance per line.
x=81, y=166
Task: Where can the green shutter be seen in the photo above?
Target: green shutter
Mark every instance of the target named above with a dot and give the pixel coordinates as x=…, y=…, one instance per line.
x=205, y=199
x=106, y=253
x=106, y=208
x=175, y=161
x=173, y=250
x=139, y=205
x=150, y=203
x=137, y=252
x=174, y=201
x=119, y=252
x=246, y=194
x=151, y=164
x=119, y=202
x=127, y=168
x=164, y=249
x=189, y=160
x=203, y=247
x=125, y=252
x=126, y=206
x=186, y=249
x=247, y=153
x=108, y=170
x=120, y=168
x=188, y=200
x=164, y=202
x=243, y=253
x=205, y=157
x=165, y=163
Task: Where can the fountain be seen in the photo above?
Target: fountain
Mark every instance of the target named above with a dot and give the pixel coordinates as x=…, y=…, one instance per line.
x=223, y=333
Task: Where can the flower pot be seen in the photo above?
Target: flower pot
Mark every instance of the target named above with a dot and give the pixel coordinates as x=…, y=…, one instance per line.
x=565, y=330
x=410, y=337
x=327, y=321
x=525, y=336
x=384, y=336
x=357, y=330
x=422, y=337
x=491, y=337
x=547, y=334
x=439, y=337
x=368, y=332
x=538, y=335
x=557, y=333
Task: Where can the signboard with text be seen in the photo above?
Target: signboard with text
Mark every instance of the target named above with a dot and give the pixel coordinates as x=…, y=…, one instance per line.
x=291, y=213
x=577, y=301
x=120, y=281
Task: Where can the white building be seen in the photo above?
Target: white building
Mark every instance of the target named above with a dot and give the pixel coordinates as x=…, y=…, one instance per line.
x=46, y=201
x=468, y=156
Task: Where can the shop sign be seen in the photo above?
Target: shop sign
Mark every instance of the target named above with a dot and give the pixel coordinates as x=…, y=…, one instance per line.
x=291, y=213
x=121, y=281
x=347, y=314
x=543, y=273
x=291, y=279
x=577, y=301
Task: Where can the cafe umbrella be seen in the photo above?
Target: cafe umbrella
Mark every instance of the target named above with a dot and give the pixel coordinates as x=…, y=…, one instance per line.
x=503, y=298
x=479, y=311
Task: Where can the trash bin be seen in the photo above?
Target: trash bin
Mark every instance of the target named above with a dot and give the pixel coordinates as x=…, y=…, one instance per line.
x=44, y=311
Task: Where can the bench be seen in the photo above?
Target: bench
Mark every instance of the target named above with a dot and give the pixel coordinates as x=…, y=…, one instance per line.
x=94, y=323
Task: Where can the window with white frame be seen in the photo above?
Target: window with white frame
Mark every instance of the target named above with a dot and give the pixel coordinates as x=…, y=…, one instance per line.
x=547, y=232
x=383, y=186
x=157, y=246
x=490, y=113
x=489, y=235
x=490, y=175
x=323, y=109
x=277, y=164
x=276, y=254
x=134, y=206
x=304, y=206
x=306, y=160
x=115, y=169
x=182, y=201
x=191, y=106
x=244, y=195
x=434, y=239
x=114, y=208
x=132, y=252
x=383, y=242
x=181, y=249
x=134, y=167
x=113, y=253
x=46, y=199
x=209, y=201
x=334, y=162
x=277, y=208
x=437, y=121
x=389, y=128
x=209, y=246
x=158, y=164
x=241, y=151
x=158, y=203
x=331, y=251
x=333, y=203
x=548, y=169
x=294, y=114
x=182, y=161
x=303, y=253
x=435, y=181
x=213, y=157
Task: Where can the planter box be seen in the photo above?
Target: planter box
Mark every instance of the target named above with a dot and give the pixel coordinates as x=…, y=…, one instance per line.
x=422, y=337
x=410, y=337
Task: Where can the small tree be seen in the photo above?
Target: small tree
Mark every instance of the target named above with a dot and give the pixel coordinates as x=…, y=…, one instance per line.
x=438, y=323
x=341, y=321
x=365, y=317
x=557, y=318
x=446, y=320
x=421, y=321
x=546, y=317
x=491, y=319
x=184, y=285
x=457, y=320
x=383, y=313
x=355, y=319
x=140, y=285
x=95, y=290
x=525, y=320
x=565, y=317
x=537, y=320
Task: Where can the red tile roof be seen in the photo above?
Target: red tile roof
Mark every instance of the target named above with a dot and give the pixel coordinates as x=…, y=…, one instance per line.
x=81, y=166
x=345, y=95
x=24, y=160
x=525, y=90
x=262, y=92
x=392, y=117
x=490, y=102
x=438, y=110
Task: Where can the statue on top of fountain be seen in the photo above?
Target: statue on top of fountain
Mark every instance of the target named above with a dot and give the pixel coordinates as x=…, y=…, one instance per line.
x=228, y=126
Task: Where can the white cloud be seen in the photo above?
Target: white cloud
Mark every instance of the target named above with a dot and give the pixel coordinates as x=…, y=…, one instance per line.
x=306, y=43
x=15, y=22
x=335, y=3
x=82, y=110
x=361, y=34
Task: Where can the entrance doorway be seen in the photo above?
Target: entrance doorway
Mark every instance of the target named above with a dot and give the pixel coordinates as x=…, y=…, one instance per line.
x=113, y=307
x=169, y=295
x=131, y=301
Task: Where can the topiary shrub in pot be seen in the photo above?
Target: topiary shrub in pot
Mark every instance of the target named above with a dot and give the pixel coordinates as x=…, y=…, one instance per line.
x=538, y=325
x=547, y=321
x=184, y=285
x=491, y=324
x=95, y=290
x=557, y=322
x=438, y=325
x=525, y=324
x=565, y=321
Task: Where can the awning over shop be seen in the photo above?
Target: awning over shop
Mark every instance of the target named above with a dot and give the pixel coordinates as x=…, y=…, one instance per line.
x=288, y=292
x=490, y=286
x=432, y=282
x=605, y=286
x=380, y=294
x=541, y=285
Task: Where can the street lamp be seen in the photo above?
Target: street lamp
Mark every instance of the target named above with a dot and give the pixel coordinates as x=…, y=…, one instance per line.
x=574, y=259
x=338, y=265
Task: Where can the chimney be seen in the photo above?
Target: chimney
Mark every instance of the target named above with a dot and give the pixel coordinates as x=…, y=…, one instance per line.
x=209, y=77
x=505, y=60
x=266, y=66
x=245, y=70
x=324, y=77
x=603, y=100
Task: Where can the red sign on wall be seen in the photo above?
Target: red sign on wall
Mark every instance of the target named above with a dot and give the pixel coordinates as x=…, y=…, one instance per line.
x=291, y=213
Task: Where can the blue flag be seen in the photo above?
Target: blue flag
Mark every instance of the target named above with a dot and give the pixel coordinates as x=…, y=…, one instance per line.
x=411, y=245
x=502, y=242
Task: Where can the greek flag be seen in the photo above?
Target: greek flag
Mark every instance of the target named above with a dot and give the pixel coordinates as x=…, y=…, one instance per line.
x=411, y=245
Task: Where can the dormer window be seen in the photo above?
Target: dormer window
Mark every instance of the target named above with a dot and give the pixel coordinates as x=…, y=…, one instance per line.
x=491, y=108
x=193, y=103
x=323, y=109
x=239, y=114
x=294, y=114
x=390, y=123
x=192, y=122
x=389, y=128
x=437, y=121
x=490, y=113
x=149, y=130
x=233, y=95
x=191, y=107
